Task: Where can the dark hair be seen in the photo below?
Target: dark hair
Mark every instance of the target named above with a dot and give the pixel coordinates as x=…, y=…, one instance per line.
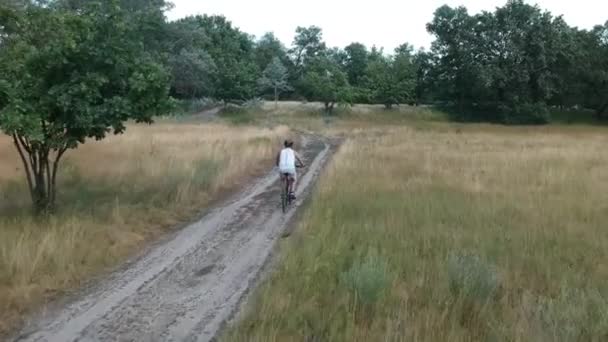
x=288, y=143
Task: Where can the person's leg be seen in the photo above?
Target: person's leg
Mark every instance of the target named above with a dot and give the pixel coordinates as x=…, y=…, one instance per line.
x=295, y=182
x=291, y=184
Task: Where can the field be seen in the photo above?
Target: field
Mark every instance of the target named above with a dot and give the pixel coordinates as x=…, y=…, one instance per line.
x=444, y=232
x=419, y=229
x=116, y=196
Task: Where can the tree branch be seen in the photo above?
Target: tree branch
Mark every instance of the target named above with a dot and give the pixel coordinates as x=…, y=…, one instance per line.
x=24, y=143
x=60, y=153
x=17, y=142
x=47, y=167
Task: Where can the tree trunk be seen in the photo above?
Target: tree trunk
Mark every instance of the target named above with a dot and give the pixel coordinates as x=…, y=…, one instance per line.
x=41, y=194
x=276, y=98
x=40, y=171
x=24, y=162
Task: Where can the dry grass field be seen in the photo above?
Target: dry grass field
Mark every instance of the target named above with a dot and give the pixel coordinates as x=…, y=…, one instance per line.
x=419, y=230
x=116, y=195
x=447, y=233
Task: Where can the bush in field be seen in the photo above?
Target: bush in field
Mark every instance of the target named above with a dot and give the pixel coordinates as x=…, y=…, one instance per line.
x=574, y=315
x=254, y=104
x=472, y=279
x=367, y=279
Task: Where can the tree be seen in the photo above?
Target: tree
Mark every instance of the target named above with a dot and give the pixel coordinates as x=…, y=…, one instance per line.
x=149, y=14
x=194, y=71
x=391, y=80
x=67, y=76
x=354, y=60
x=233, y=54
x=590, y=70
x=457, y=69
x=194, y=74
x=502, y=66
x=307, y=45
x=599, y=62
x=356, y=63
x=404, y=71
x=423, y=62
x=324, y=81
x=267, y=48
x=276, y=78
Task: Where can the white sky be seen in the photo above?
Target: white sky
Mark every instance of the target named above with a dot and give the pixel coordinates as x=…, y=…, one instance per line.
x=385, y=23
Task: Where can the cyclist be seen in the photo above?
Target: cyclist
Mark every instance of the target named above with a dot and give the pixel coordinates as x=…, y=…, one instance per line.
x=286, y=162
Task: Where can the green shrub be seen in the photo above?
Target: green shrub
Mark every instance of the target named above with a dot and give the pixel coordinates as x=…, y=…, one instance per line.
x=367, y=279
x=472, y=279
x=574, y=315
x=254, y=104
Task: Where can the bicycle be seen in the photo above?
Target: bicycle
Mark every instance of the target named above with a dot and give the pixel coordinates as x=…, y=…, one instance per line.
x=286, y=181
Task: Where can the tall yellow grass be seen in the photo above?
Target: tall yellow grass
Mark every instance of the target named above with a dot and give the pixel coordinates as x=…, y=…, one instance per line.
x=525, y=208
x=115, y=195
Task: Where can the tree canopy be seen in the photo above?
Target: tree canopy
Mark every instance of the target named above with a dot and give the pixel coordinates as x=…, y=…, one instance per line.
x=275, y=78
x=511, y=64
x=66, y=76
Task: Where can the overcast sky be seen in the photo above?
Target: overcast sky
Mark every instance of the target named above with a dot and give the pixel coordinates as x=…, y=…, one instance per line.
x=385, y=23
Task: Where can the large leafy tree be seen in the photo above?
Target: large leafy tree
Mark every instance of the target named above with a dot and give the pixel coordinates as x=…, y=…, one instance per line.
x=221, y=56
x=233, y=54
x=591, y=69
x=458, y=68
x=267, y=48
x=324, y=81
x=392, y=80
x=275, y=78
x=66, y=76
x=193, y=69
x=148, y=14
x=505, y=66
x=382, y=84
x=424, y=67
x=307, y=45
x=354, y=60
x=357, y=58
x=194, y=74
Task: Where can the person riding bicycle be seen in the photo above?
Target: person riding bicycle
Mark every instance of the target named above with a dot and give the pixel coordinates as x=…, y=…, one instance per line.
x=286, y=162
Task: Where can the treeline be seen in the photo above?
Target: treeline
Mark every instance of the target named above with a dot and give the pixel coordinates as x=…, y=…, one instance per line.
x=511, y=65
x=209, y=57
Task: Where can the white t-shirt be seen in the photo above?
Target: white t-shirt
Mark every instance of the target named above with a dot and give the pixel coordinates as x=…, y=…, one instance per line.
x=287, y=161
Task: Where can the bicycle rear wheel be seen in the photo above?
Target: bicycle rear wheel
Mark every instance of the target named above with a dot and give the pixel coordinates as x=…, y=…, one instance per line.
x=284, y=195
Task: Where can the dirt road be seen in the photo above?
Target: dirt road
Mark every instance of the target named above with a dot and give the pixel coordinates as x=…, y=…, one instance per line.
x=185, y=288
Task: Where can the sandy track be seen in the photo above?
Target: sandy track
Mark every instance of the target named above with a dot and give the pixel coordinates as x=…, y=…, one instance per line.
x=185, y=288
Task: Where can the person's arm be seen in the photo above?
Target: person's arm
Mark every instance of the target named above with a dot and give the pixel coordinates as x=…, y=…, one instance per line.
x=278, y=159
x=298, y=159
